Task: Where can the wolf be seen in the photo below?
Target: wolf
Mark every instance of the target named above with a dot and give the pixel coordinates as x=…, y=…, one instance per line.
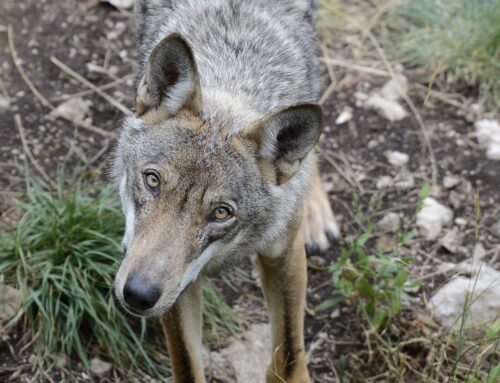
x=218, y=164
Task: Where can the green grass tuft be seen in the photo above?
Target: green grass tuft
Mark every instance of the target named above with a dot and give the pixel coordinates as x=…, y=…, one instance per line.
x=330, y=19
x=63, y=255
x=459, y=38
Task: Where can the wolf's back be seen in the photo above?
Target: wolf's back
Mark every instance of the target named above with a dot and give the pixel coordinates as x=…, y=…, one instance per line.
x=259, y=55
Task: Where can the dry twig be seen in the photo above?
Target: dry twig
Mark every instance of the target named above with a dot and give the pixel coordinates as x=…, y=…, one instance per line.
x=94, y=159
x=40, y=97
x=356, y=67
x=22, y=134
x=338, y=168
x=107, y=86
x=411, y=105
x=20, y=69
x=88, y=84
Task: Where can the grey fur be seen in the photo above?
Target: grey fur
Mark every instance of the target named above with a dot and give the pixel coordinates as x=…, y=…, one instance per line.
x=259, y=51
x=253, y=58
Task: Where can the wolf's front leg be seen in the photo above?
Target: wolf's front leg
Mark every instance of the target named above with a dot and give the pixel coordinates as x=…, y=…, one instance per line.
x=183, y=329
x=284, y=282
x=318, y=225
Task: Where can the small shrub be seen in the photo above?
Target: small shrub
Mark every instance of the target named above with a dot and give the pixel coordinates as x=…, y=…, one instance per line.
x=374, y=281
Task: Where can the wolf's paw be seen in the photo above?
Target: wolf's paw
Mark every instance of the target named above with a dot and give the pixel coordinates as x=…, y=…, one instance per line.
x=319, y=226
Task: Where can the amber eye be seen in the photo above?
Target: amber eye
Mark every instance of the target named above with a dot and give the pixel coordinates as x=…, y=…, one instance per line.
x=221, y=213
x=152, y=181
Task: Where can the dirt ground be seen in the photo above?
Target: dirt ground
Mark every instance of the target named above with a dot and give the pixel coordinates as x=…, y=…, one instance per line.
x=96, y=41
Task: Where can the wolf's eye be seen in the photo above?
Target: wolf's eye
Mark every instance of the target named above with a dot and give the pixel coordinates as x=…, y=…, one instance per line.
x=221, y=213
x=152, y=181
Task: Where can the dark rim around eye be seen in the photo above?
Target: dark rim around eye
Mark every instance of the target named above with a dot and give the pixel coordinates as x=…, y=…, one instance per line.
x=155, y=190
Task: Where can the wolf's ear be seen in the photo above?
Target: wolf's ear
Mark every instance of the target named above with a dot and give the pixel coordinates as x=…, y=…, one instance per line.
x=284, y=138
x=171, y=80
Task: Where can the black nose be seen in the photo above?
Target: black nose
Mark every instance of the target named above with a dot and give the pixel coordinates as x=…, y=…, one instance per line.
x=140, y=294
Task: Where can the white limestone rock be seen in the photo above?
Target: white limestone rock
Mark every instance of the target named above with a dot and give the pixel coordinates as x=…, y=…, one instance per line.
x=481, y=290
x=432, y=218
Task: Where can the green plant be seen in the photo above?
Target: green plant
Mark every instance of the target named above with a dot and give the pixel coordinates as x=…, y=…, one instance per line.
x=218, y=316
x=458, y=38
x=330, y=19
x=63, y=255
x=375, y=281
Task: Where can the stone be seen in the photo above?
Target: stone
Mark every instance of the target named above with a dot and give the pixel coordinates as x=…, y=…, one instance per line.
x=389, y=223
x=449, y=182
x=479, y=251
x=10, y=302
x=121, y=4
x=404, y=180
x=488, y=136
x=451, y=240
x=74, y=109
x=245, y=360
x=384, y=182
x=386, y=100
x=396, y=158
x=344, y=116
x=395, y=88
x=432, y=218
x=482, y=291
x=4, y=103
x=99, y=367
x=391, y=110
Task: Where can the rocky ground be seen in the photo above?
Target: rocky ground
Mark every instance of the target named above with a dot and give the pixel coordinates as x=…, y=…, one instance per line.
x=386, y=136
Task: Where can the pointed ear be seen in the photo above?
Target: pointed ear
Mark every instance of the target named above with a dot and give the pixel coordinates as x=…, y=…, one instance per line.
x=284, y=138
x=170, y=81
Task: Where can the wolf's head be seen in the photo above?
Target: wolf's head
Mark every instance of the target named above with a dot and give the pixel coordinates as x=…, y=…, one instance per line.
x=197, y=192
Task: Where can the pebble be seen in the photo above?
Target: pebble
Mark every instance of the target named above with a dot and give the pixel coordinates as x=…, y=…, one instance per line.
x=385, y=101
x=483, y=290
x=389, y=223
x=488, y=136
x=432, y=218
x=99, y=367
x=344, y=116
x=451, y=240
x=396, y=158
x=384, y=182
x=449, y=182
x=4, y=103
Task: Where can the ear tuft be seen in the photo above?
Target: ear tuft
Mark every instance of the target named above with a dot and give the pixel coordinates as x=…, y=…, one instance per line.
x=170, y=80
x=284, y=138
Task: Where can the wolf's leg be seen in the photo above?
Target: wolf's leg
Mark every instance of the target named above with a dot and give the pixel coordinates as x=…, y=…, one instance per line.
x=182, y=327
x=318, y=225
x=284, y=281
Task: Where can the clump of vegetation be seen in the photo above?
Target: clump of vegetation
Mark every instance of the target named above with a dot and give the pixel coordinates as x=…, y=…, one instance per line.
x=375, y=281
x=400, y=336
x=63, y=255
x=457, y=38
x=330, y=18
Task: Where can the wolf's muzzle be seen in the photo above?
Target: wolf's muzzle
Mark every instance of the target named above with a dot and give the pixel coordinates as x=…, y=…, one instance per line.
x=139, y=294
